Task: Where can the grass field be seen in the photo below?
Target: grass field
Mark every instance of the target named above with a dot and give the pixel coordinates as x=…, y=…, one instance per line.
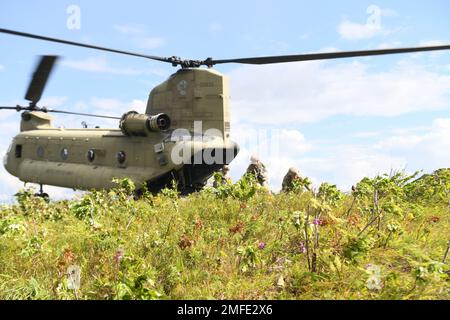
x=386, y=240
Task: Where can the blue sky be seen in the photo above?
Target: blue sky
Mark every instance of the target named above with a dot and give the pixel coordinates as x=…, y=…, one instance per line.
x=338, y=120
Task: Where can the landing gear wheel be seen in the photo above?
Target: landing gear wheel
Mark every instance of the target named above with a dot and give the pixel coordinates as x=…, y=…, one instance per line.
x=42, y=194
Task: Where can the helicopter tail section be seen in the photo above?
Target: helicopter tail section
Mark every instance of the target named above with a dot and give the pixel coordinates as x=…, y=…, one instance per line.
x=192, y=98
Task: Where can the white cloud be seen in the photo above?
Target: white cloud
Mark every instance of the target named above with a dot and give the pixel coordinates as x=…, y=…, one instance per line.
x=355, y=31
x=344, y=163
x=341, y=164
x=96, y=64
x=148, y=42
x=129, y=28
x=138, y=36
x=101, y=65
x=117, y=106
x=96, y=105
x=386, y=12
x=279, y=149
x=366, y=134
x=138, y=105
x=403, y=142
x=433, y=43
x=108, y=107
x=279, y=95
x=106, y=103
x=53, y=101
x=373, y=27
x=427, y=150
x=312, y=91
x=389, y=45
x=46, y=101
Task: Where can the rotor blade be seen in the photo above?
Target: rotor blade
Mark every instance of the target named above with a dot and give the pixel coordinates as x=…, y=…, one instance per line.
x=254, y=60
x=84, y=45
x=325, y=56
x=33, y=108
x=39, y=79
x=82, y=114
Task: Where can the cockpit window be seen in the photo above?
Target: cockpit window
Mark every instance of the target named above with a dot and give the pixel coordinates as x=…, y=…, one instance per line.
x=18, y=151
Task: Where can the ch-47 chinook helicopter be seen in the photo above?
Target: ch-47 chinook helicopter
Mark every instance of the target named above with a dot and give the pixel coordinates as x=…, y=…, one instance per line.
x=155, y=148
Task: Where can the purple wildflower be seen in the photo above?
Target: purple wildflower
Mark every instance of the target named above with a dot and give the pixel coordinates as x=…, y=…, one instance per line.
x=261, y=245
x=317, y=222
x=118, y=256
x=302, y=247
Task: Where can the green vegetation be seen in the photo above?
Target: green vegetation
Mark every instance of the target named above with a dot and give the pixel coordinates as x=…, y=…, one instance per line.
x=386, y=240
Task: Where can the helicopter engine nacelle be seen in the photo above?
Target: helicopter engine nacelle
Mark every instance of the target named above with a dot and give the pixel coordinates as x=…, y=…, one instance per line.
x=136, y=124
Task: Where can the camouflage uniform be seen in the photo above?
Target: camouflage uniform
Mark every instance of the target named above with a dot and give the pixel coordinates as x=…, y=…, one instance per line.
x=258, y=169
x=289, y=178
x=225, y=177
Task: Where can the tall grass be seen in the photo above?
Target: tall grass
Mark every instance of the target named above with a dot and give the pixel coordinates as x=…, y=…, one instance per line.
x=385, y=240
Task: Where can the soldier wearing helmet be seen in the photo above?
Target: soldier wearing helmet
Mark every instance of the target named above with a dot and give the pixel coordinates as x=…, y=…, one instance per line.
x=288, y=180
x=258, y=169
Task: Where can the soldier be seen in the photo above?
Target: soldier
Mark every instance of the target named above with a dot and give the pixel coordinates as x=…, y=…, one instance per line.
x=288, y=180
x=258, y=169
x=224, y=179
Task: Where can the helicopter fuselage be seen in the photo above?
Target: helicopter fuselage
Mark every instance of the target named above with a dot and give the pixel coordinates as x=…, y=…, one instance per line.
x=91, y=158
x=192, y=106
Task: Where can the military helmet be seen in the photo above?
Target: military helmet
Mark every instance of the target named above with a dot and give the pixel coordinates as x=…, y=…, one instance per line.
x=254, y=159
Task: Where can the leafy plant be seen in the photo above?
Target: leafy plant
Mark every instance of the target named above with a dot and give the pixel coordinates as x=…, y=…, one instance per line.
x=235, y=241
x=356, y=248
x=243, y=189
x=301, y=184
x=248, y=258
x=329, y=194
